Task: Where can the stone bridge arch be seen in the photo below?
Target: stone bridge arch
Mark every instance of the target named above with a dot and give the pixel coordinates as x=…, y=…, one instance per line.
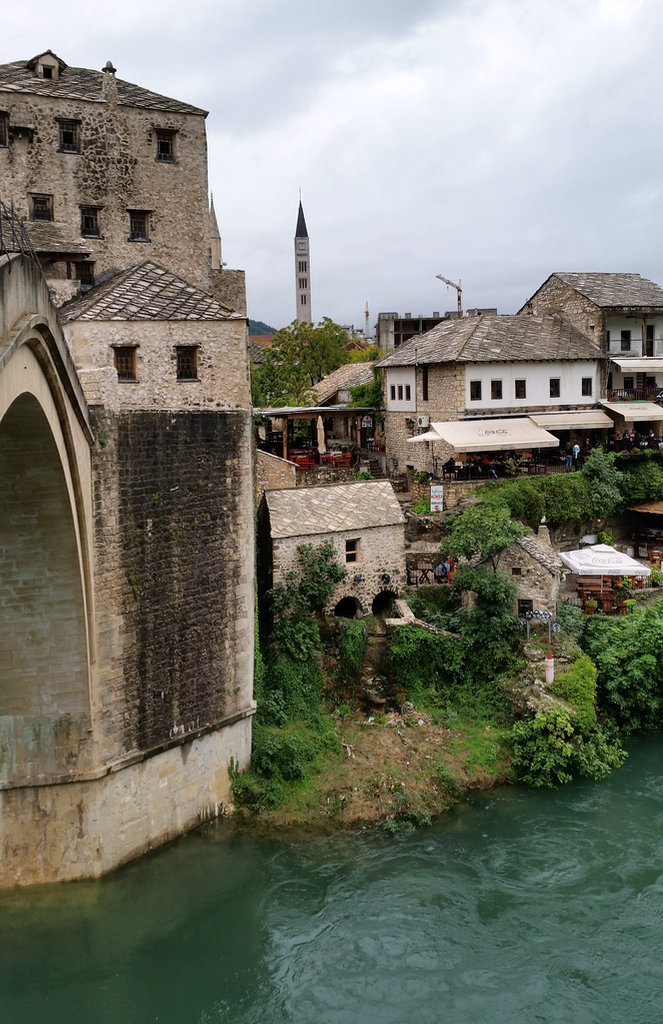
x=46, y=645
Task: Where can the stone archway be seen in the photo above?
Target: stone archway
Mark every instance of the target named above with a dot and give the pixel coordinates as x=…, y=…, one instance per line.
x=383, y=601
x=348, y=608
x=43, y=646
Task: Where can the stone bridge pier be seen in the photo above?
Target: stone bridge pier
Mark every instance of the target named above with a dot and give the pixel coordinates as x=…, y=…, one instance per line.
x=126, y=642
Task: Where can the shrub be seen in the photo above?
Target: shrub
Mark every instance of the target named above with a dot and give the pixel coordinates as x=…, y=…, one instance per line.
x=421, y=507
x=352, y=647
x=542, y=748
x=578, y=686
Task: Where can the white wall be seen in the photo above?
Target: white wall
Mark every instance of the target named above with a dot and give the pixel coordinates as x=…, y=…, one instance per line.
x=537, y=388
x=401, y=378
x=617, y=324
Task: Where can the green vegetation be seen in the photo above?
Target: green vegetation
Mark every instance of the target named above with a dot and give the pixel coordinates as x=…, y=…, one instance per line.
x=484, y=530
x=351, y=649
x=290, y=731
x=368, y=396
x=300, y=355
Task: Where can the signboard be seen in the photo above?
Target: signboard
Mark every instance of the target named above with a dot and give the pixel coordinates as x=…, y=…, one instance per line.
x=436, y=497
x=367, y=421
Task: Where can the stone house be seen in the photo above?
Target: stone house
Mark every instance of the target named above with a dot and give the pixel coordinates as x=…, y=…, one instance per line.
x=539, y=369
x=107, y=174
x=536, y=568
x=364, y=522
x=623, y=315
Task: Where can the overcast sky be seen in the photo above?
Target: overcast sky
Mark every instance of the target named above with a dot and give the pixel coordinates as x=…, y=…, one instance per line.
x=491, y=141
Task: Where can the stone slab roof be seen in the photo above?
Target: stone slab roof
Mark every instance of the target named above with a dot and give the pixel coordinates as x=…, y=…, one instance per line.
x=608, y=290
x=55, y=237
x=350, y=375
x=145, y=292
x=495, y=339
x=85, y=84
x=543, y=553
x=305, y=511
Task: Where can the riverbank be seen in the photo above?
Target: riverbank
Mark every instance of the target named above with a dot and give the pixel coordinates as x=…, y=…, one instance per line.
x=394, y=768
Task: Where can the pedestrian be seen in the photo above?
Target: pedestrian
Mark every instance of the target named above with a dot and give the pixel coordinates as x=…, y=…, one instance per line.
x=568, y=462
x=575, y=451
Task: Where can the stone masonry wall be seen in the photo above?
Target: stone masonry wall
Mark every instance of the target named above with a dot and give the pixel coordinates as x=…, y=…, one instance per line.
x=554, y=296
x=535, y=583
x=381, y=552
x=223, y=376
x=273, y=473
x=115, y=170
x=446, y=401
x=173, y=510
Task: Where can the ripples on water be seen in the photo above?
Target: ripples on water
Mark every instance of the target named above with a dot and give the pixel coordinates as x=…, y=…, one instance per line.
x=521, y=907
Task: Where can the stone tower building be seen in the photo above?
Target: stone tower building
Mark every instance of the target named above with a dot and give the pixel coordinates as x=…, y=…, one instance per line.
x=126, y=450
x=302, y=269
x=106, y=174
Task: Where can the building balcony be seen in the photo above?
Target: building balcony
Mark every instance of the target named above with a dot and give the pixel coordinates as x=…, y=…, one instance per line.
x=645, y=394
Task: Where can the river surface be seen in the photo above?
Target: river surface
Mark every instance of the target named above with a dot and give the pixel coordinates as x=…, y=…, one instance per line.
x=518, y=907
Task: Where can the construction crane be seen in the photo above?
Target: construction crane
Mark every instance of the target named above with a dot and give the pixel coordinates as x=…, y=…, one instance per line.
x=452, y=284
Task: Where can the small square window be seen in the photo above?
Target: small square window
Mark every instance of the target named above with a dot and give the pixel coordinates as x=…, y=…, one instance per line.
x=628, y=383
x=90, y=221
x=516, y=570
x=352, y=550
x=521, y=389
x=626, y=341
x=4, y=129
x=187, y=362
x=586, y=386
x=69, y=132
x=555, y=387
x=139, y=225
x=475, y=391
x=496, y=390
x=165, y=146
x=41, y=206
x=125, y=362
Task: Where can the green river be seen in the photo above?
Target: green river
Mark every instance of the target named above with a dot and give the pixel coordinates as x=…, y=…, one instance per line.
x=518, y=907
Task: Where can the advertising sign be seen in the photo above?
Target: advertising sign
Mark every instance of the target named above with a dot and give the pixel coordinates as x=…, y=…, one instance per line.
x=436, y=497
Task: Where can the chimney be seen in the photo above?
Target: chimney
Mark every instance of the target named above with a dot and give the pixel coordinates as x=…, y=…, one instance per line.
x=543, y=534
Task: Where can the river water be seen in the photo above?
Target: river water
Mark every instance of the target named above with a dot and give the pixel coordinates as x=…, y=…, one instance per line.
x=518, y=907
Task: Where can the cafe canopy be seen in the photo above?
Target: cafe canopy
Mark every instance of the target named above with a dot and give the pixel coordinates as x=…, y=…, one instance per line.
x=489, y=435
x=602, y=560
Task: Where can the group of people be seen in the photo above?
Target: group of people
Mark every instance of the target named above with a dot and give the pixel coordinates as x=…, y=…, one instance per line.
x=630, y=439
x=445, y=570
x=575, y=454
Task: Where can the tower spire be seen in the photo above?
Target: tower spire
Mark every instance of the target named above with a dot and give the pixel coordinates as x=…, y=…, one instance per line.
x=302, y=267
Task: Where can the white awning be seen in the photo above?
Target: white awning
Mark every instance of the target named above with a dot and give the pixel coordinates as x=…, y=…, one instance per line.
x=590, y=419
x=635, y=411
x=490, y=435
x=602, y=560
x=650, y=364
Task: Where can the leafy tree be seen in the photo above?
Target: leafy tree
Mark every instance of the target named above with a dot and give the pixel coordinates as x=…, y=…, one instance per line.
x=604, y=482
x=484, y=530
x=300, y=355
x=365, y=355
x=644, y=482
x=368, y=396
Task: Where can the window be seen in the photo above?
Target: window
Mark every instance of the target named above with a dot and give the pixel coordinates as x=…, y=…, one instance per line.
x=4, y=130
x=125, y=362
x=516, y=570
x=628, y=383
x=586, y=386
x=165, y=146
x=392, y=392
x=42, y=207
x=524, y=606
x=424, y=383
x=475, y=391
x=139, y=225
x=555, y=387
x=626, y=341
x=85, y=272
x=302, y=300
x=69, y=136
x=408, y=393
x=352, y=550
x=302, y=266
x=45, y=71
x=303, y=282
x=607, y=336
x=496, y=390
x=521, y=389
x=187, y=362
x=649, y=340
x=400, y=392
x=90, y=221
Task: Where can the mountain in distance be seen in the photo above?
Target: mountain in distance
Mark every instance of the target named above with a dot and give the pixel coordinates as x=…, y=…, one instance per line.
x=258, y=327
